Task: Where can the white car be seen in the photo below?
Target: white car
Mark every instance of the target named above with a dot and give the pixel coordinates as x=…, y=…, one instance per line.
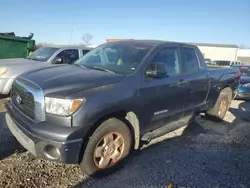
x=42, y=57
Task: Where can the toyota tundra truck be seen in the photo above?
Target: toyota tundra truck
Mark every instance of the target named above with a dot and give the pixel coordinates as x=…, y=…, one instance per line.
x=116, y=97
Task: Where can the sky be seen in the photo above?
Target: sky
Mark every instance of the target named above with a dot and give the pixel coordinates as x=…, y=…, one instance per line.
x=66, y=21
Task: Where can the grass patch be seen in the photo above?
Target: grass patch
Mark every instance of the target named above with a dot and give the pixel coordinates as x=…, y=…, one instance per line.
x=2, y=103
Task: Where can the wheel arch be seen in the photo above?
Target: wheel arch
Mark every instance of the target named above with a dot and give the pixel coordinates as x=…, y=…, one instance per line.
x=134, y=122
x=128, y=117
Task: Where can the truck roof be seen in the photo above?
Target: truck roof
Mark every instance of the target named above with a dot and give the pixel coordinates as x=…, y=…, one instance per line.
x=151, y=42
x=68, y=47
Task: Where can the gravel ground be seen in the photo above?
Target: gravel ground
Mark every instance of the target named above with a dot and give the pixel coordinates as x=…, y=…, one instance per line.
x=204, y=154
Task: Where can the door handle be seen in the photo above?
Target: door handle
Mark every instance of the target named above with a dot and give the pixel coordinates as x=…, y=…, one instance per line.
x=182, y=82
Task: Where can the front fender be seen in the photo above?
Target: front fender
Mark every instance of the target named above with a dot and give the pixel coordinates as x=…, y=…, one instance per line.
x=6, y=84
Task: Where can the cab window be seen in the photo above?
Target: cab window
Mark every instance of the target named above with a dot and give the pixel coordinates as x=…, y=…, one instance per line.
x=67, y=56
x=190, y=63
x=169, y=57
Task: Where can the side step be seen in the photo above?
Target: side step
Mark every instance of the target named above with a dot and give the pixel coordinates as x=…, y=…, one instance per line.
x=147, y=137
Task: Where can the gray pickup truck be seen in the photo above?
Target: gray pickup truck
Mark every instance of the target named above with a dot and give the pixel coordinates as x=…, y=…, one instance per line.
x=116, y=97
x=42, y=57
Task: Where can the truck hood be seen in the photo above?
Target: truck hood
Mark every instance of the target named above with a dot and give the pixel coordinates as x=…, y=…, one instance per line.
x=17, y=61
x=63, y=80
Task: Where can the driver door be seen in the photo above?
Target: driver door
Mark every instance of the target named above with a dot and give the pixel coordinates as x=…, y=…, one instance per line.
x=164, y=97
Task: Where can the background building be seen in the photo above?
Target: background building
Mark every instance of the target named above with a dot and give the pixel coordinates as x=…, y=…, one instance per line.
x=244, y=56
x=220, y=52
x=226, y=52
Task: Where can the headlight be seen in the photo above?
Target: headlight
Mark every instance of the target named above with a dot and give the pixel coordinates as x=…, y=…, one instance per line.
x=246, y=85
x=3, y=70
x=62, y=107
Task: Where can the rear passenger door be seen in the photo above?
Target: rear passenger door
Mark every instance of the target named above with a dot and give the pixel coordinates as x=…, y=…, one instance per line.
x=197, y=78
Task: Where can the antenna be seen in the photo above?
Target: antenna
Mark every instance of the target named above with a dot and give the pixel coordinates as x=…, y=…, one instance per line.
x=70, y=38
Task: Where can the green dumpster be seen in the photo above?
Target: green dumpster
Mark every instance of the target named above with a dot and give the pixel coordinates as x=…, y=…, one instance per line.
x=15, y=47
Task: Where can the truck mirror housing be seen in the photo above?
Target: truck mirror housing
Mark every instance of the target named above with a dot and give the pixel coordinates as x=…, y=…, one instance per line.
x=58, y=60
x=156, y=70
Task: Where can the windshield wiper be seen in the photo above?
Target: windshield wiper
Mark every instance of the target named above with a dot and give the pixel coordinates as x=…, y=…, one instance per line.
x=78, y=65
x=99, y=68
x=32, y=58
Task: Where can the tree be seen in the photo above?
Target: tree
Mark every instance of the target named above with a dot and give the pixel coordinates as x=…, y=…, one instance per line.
x=87, y=37
x=242, y=46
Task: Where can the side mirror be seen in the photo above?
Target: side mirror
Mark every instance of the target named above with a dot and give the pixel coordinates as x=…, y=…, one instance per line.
x=58, y=60
x=156, y=70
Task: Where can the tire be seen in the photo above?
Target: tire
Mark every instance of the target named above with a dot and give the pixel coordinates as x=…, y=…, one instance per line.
x=100, y=148
x=230, y=94
x=218, y=112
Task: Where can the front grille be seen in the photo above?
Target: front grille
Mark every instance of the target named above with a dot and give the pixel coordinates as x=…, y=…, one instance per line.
x=28, y=99
x=23, y=100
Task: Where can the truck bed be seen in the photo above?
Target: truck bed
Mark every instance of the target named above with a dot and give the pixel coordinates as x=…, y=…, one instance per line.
x=221, y=71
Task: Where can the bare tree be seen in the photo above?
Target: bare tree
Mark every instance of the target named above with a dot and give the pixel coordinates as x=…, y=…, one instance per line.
x=242, y=46
x=87, y=37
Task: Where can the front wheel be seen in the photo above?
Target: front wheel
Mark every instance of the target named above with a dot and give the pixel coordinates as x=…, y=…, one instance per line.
x=108, y=145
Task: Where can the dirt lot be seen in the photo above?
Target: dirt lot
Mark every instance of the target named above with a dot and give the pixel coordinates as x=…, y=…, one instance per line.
x=204, y=154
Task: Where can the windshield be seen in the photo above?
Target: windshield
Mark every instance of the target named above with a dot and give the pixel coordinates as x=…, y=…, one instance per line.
x=42, y=54
x=245, y=71
x=120, y=58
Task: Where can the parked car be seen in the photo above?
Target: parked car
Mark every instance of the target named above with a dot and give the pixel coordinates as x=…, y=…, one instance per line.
x=233, y=63
x=244, y=87
x=222, y=63
x=42, y=57
x=225, y=63
x=208, y=61
x=116, y=96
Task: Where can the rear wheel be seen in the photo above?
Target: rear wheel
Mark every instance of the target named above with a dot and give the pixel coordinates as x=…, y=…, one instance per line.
x=108, y=145
x=218, y=112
